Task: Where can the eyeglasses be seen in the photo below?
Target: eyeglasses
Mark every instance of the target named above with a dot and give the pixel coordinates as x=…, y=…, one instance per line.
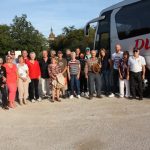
x=135, y=51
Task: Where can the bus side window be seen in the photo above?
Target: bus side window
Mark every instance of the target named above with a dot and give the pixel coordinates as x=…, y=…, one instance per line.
x=103, y=32
x=133, y=20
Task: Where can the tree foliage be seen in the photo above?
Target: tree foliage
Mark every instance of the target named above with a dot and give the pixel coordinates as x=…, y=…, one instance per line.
x=21, y=35
x=73, y=38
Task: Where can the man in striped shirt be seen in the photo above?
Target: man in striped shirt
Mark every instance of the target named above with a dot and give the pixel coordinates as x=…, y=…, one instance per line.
x=74, y=75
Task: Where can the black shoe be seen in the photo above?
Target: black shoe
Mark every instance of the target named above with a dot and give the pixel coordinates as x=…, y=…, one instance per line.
x=140, y=98
x=132, y=97
x=99, y=96
x=90, y=97
x=5, y=107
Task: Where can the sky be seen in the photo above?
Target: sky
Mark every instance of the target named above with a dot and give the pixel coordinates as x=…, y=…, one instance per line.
x=44, y=14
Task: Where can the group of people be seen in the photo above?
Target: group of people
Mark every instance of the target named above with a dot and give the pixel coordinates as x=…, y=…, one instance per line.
x=73, y=74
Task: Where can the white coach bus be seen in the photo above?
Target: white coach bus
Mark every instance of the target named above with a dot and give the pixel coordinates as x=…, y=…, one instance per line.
x=126, y=23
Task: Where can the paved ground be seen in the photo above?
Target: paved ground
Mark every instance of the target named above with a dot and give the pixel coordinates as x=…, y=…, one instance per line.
x=107, y=124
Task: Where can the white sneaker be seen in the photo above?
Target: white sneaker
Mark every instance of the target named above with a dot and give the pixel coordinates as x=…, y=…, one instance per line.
x=32, y=100
x=39, y=99
x=86, y=94
x=111, y=95
x=121, y=96
x=82, y=94
x=78, y=96
x=71, y=97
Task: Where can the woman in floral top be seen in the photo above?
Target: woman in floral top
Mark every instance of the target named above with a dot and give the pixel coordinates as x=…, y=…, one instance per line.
x=54, y=70
x=124, y=75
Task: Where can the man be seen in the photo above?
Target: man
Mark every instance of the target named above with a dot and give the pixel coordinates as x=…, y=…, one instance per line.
x=88, y=53
x=137, y=73
x=78, y=51
x=44, y=62
x=116, y=57
x=93, y=78
x=3, y=85
x=74, y=75
x=62, y=62
x=25, y=55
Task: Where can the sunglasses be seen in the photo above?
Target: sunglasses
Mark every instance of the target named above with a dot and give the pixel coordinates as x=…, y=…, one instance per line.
x=135, y=51
x=12, y=54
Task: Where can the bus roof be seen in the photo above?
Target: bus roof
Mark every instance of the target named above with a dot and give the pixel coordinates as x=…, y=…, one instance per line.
x=120, y=4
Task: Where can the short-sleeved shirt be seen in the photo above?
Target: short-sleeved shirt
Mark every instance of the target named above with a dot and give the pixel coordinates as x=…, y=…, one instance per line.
x=135, y=64
x=116, y=57
x=63, y=64
x=22, y=70
x=74, y=67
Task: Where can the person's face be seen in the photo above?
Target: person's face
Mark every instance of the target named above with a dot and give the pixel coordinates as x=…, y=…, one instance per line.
x=93, y=53
x=53, y=61
x=82, y=56
x=68, y=52
x=44, y=54
x=24, y=54
x=88, y=52
x=32, y=56
x=1, y=62
x=125, y=56
x=118, y=48
x=102, y=53
x=77, y=51
x=21, y=60
x=60, y=55
x=73, y=56
x=136, y=53
x=12, y=55
x=9, y=60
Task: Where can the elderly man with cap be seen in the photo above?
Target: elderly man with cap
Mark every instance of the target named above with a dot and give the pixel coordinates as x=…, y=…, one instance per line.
x=136, y=67
x=3, y=85
x=62, y=63
x=88, y=53
x=92, y=76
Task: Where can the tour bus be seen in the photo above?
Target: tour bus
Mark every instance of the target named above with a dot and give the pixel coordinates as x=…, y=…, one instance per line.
x=126, y=23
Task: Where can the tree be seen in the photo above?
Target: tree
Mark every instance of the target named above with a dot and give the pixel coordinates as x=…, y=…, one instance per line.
x=25, y=36
x=73, y=38
x=6, y=41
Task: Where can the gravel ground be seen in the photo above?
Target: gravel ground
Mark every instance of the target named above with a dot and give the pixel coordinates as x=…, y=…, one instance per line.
x=100, y=124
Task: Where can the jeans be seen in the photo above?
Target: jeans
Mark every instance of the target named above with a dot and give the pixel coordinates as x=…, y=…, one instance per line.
x=115, y=81
x=75, y=85
x=94, y=82
x=4, y=96
x=105, y=77
x=136, y=84
x=33, y=89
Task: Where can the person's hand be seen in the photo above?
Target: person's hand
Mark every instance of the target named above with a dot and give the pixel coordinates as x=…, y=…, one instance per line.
x=143, y=77
x=2, y=85
x=78, y=76
x=127, y=77
x=24, y=79
x=4, y=79
x=86, y=76
x=121, y=78
x=69, y=78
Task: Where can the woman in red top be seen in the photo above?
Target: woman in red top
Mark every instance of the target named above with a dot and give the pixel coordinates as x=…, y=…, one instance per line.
x=34, y=74
x=11, y=80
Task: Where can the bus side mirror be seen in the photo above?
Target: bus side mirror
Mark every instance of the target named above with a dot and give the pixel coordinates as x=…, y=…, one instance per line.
x=86, y=30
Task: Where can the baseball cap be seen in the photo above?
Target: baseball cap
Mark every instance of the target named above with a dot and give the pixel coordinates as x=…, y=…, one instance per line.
x=87, y=49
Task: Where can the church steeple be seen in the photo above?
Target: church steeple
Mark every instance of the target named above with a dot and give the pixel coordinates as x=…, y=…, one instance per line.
x=51, y=35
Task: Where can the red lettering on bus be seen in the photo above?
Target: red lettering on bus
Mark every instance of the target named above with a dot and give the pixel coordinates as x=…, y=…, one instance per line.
x=140, y=44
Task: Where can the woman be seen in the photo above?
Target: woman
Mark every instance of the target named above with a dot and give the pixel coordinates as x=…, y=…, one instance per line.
x=124, y=75
x=11, y=80
x=34, y=74
x=105, y=71
x=23, y=80
x=54, y=70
